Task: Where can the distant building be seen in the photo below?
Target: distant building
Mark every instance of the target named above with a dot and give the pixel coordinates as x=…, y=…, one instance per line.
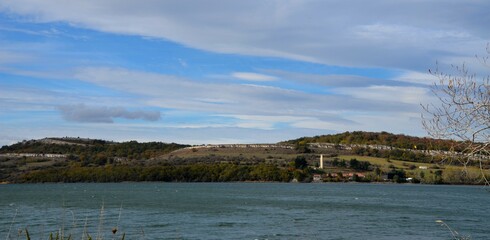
x=317, y=178
x=348, y=175
x=351, y=175
x=423, y=167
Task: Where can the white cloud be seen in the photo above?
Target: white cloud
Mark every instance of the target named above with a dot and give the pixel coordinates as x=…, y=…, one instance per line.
x=409, y=95
x=265, y=108
x=417, y=77
x=121, y=132
x=266, y=122
x=415, y=36
x=172, y=92
x=338, y=81
x=254, y=107
x=250, y=76
x=313, y=123
x=405, y=35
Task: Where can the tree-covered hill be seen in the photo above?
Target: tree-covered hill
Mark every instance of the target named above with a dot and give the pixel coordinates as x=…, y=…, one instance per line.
x=90, y=150
x=381, y=138
x=350, y=156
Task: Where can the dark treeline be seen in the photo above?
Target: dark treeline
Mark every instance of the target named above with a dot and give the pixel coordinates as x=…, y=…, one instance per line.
x=383, y=138
x=95, y=151
x=228, y=172
x=185, y=173
x=353, y=164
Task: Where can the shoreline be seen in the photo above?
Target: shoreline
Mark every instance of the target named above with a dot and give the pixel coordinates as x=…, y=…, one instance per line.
x=258, y=182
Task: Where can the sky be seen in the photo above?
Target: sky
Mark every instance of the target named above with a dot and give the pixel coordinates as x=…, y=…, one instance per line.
x=219, y=71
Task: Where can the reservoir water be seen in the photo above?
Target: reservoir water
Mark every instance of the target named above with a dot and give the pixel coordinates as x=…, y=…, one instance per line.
x=244, y=211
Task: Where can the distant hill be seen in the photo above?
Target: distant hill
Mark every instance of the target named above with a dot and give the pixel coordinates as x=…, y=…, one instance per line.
x=381, y=138
x=92, y=150
x=367, y=155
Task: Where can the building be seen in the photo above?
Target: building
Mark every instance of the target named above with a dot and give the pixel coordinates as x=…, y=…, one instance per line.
x=317, y=178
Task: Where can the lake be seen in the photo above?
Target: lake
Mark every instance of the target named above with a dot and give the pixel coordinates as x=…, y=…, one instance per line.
x=244, y=210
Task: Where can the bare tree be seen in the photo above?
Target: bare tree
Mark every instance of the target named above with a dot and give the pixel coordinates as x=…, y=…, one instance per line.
x=462, y=113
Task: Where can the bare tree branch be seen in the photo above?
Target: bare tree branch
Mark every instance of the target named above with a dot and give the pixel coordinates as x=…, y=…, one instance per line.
x=462, y=113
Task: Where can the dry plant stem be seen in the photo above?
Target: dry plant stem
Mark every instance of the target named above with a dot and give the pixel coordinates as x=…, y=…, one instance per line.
x=117, y=224
x=101, y=222
x=454, y=234
x=85, y=229
x=63, y=220
x=12, y=223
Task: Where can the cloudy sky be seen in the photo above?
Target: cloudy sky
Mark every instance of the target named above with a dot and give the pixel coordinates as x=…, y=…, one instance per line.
x=226, y=71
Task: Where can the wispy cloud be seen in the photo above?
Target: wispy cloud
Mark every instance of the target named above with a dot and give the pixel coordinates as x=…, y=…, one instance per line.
x=173, y=92
x=406, y=35
x=408, y=95
x=345, y=80
x=250, y=76
x=8, y=57
x=95, y=114
x=417, y=77
x=291, y=68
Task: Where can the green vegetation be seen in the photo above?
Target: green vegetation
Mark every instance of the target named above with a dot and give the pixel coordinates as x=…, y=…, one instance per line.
x=98, y=152
x=419, y=172
x=379, y=138
x=86, y=160
x=391, y=146
x=187, y=173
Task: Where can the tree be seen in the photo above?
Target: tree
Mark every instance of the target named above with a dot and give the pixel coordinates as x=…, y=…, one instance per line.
x=302, y=147
x=462, y=113
x=300, y=162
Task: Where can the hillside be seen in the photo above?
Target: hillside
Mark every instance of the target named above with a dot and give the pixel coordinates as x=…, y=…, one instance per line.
x=382, y=138
x=90, y=150
x=374, y=156
x=55, y=153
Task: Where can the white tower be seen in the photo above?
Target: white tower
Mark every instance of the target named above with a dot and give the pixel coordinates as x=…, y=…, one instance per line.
x=321, y=161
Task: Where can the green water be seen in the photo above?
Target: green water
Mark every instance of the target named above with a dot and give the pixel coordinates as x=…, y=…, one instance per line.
x=245, y=210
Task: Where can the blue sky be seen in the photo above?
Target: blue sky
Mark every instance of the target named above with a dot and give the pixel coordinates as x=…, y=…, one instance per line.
x=227, y=71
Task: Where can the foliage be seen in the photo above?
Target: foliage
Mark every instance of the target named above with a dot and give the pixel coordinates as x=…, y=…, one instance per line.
x=302, y=147
x=300, y=162
x=96, y=152
x=359, y=165
x=379, y=138
x=397, y=176
x=185, y=173
x=97, y=163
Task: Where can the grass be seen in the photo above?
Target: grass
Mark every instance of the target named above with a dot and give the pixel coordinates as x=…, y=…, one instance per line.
x=384, y=163
x=64, y=234
x=236, y=152
x=453, y=174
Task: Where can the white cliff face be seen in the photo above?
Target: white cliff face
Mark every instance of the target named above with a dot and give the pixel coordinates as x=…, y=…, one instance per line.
x=45, y=155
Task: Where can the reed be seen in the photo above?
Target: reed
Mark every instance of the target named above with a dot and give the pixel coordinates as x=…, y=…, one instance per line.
x=65, y=234
x=454, y=234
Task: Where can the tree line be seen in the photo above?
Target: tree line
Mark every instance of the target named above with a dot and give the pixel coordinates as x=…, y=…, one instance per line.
x=96, y=152
x=185, y=173
x=383, y=138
